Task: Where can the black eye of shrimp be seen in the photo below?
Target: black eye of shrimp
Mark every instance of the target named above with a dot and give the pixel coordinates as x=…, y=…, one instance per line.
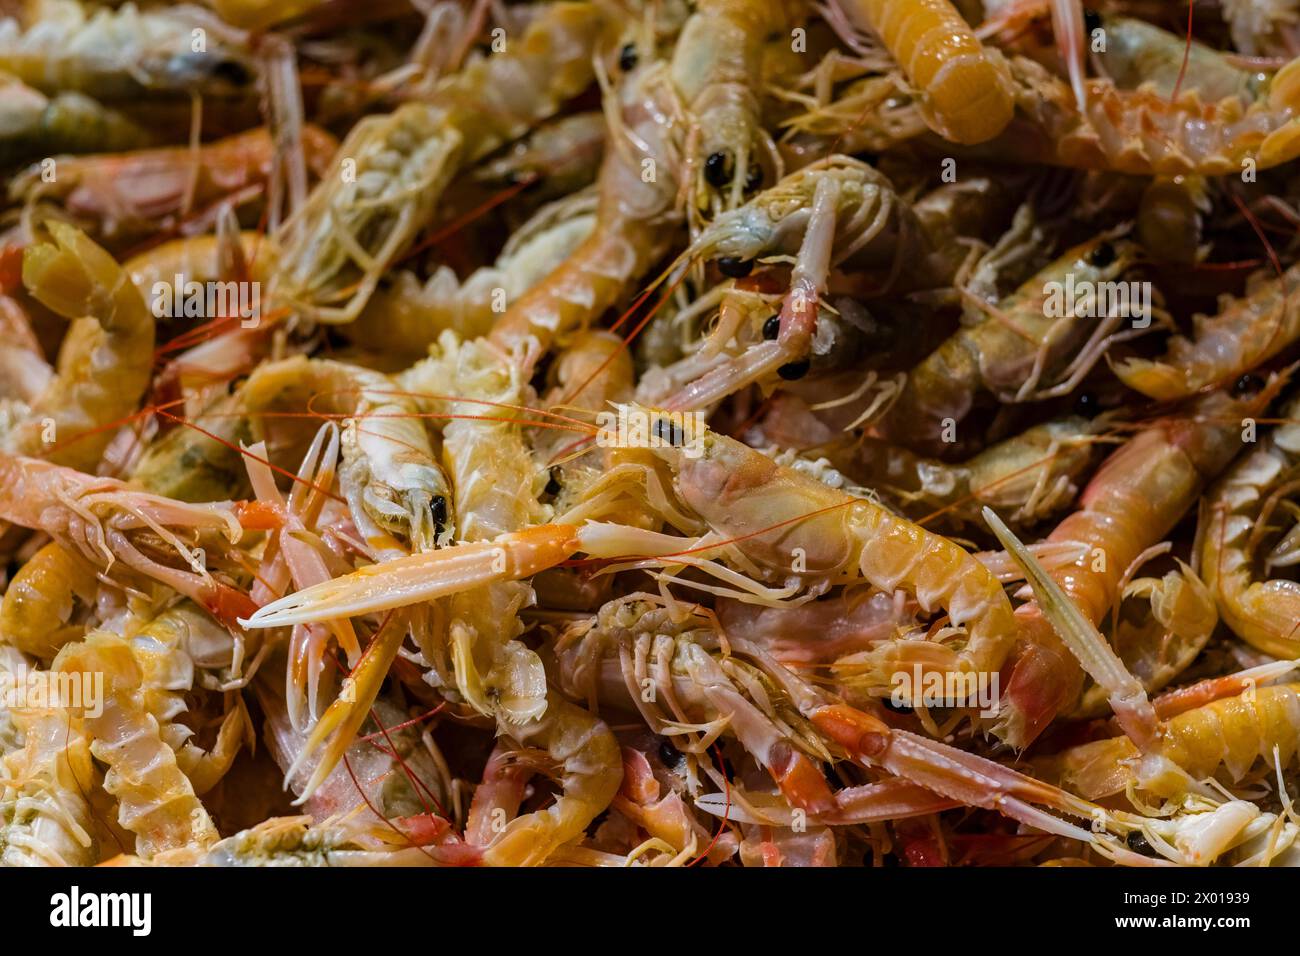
x=627, y=57
x=1103, y=255
x=669, y=755
x=792, y=371
x=438, y=512
x=772, y=327
x=734, y=267
x=1137, y=842
x=1246, y=385
x=1085, y=404
x=717, y=168
x=233, y=72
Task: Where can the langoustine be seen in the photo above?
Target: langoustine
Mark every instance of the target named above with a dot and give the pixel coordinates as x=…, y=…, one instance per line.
x=668, y=521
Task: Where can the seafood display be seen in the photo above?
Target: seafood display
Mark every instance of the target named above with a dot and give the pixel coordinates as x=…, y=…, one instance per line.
x=672, y=433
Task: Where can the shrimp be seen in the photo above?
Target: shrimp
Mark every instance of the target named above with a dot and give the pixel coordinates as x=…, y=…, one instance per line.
x=156, y=801
x=955, y=215
x=1265, y=614
x=198, y=259
x=665, y=817
x=106, y=360
x=1245, y=332
x=360, y=218
x=1233, y=734
x=497, y=484
x=1234, y=832
x=296, y=553
x=33, y=124
x=108, y=523
x=1196, y=826
x=497, y=481
x=393, y=168
x=589, y=769
x=407, y=316
x=1029, y=477
x=146, y=191
x=167, y=651
x=1133, y=500
x=861, y=101
x=394, y=771
x=497, y=99
x=838, y=199
x=918, y=764
x=40, y=610
x=238, y=334
x=579, y=745
x=776, y=221
x=871, y=113
x=494, y=673
x=294, y=841
x=836, y=533
x=594, y=371
x=966, y=93
x=649, y=449
x=1018, y=349
x=635, y=217
x=122, y=53
x=1142, y=133
x=793, y=528
x=1135, y=54
x=717, y=67
x=1138, y=53
x=391, y=479
x=670, y=649
x=45, y=816
x=850, y=538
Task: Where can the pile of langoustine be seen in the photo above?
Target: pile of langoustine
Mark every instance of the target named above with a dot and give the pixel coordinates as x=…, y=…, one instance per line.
x=584, y=433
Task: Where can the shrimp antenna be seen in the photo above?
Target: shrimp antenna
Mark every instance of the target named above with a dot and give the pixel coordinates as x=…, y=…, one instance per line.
x=1067, y=25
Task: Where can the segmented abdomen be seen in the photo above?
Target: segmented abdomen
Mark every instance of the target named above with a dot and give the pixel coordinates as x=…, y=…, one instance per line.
x=1236, y=732
x=967, y=92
